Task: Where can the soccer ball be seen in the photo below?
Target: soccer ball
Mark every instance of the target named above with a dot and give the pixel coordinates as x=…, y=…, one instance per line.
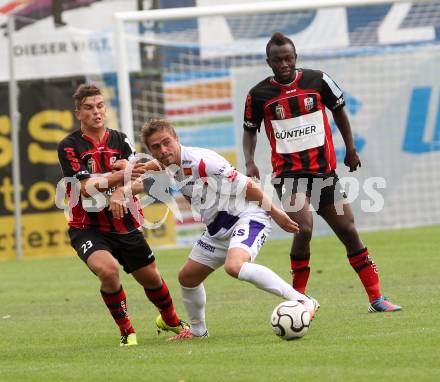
x=290, y=320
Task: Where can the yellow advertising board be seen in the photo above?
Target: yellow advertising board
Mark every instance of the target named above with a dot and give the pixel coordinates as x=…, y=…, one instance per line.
x=46, y=118
x=46, y=234
x=165, y=234
x=42, y=234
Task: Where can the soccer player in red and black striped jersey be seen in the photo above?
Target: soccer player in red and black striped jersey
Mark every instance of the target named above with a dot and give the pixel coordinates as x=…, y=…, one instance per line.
x=93, y=159
x=292, y=105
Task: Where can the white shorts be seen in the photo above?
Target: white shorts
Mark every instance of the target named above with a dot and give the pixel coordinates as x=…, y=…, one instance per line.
x=248, y=233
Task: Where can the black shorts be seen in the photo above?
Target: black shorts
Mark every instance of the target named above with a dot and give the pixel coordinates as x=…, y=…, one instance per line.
x=130, y=249
x=322, y=190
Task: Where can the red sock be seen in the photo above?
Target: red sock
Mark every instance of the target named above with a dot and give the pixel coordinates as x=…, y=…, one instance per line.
x=300, y=273
x=367, y=272
x=117, y=305
x=162, y=299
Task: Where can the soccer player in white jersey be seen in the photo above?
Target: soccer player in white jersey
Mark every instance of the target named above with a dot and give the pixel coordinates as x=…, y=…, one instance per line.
x=230, y=204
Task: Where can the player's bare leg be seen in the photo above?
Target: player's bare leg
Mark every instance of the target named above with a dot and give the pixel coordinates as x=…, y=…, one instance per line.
x=344, y=227
x=103, y=264
x=191, y=278
x=298, y=209
x=148, y=276
x=157, y=292
x=193, y=273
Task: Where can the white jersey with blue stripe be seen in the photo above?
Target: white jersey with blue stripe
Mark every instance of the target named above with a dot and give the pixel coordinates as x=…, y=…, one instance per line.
x=215, y=189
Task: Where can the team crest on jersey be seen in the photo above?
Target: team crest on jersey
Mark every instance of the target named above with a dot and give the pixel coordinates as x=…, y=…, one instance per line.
x=279, y=112
x=91, y=165
x=308, y=103
x=187, y=171
x=112, y=160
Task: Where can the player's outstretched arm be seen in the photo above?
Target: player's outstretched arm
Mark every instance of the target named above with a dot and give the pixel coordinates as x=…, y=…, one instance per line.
x=140, y=169
x=120, y=164
x=100, y=183
x=122, y=195
x=255, y=194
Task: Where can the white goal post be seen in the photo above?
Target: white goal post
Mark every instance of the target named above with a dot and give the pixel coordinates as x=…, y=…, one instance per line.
x=120, y=18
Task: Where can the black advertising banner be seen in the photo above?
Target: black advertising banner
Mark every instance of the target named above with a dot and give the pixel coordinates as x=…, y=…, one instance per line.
x=46, y=117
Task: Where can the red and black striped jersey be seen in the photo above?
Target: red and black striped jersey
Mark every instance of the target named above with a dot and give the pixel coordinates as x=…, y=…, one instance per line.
x=81, y=157
x=296, y=122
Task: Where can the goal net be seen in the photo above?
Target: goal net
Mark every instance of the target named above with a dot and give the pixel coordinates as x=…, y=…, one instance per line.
x=197, y=65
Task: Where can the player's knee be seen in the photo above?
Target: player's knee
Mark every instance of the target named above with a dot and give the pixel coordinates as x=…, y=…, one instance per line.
x=109, y=273
x=232, y=268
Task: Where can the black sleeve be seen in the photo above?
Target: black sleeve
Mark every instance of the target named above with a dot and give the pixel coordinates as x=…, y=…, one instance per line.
x=253, y=113
x=71, y=163
x=331, y=95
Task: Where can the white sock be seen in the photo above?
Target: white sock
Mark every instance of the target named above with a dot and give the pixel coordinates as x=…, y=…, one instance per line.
x=266, y=279
x=194, y=300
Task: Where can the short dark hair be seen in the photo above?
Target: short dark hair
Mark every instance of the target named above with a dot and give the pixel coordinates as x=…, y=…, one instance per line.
x=155, y=125
x=279, y=39
x=83, y=91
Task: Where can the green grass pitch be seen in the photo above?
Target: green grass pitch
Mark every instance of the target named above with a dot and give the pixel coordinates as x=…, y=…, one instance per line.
x=54, y=327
